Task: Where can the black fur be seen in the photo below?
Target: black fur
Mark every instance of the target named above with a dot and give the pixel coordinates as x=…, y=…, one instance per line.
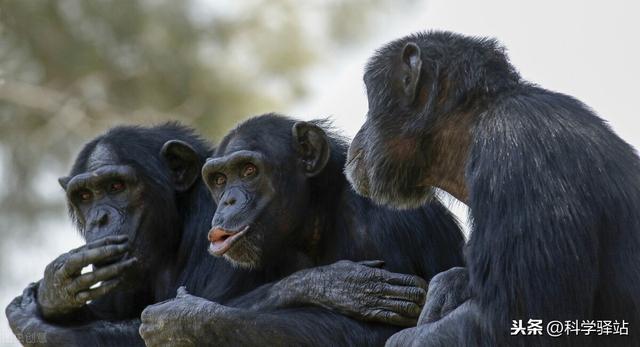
x=180, y=218
x=553, y=193
x=178, y=222
x=169, y=243
x=422, y=241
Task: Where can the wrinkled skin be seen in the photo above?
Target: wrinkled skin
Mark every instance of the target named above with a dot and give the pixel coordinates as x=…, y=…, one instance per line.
x=181, y=321
x=448, y=292
x=364, y=292
x=24, y=319
x=444, y=332
x=360, y=290
x=31, y=329
x=64, y=289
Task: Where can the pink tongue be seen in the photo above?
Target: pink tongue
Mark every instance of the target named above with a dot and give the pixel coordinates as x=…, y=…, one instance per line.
x=218, y=235
x=218, y=238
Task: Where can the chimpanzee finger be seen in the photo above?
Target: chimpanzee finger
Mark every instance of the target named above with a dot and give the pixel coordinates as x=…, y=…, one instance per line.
x=77, y=261
x=372, y=263
x=87, y=280
x=113, y=239
x=407, y=280
x=77, y=249
x=404, y=308
x=109, y=240
x=95, y=293
x=389, y=317
x=413, y=294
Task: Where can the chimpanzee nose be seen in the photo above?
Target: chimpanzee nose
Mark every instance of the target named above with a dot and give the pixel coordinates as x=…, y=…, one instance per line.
x=103, y=218
x=100, y=218
x=232, y=202
x=232, y=196
x=103, y=221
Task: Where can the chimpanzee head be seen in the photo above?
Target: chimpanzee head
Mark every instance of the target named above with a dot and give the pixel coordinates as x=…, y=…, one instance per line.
x=264, y=178
x=128, y=181
x=416, y=86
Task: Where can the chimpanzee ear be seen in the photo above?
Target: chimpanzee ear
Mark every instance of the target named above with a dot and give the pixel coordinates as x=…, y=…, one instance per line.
x=64, y=181
x=311, y=142
x=411, y=67
x=184, y=163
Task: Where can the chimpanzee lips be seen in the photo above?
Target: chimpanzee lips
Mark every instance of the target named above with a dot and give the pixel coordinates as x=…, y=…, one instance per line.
x=222, y=240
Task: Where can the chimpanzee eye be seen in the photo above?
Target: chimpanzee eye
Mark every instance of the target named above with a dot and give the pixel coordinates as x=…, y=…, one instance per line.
x=85, y=195
x=116, y=186
x=219, y=179
x=249, y=170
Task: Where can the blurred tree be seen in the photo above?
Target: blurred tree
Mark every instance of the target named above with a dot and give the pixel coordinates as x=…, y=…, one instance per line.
x=70, y=69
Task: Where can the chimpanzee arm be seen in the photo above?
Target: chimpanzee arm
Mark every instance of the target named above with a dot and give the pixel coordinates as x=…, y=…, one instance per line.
x=189, y=320
x=357, y=289
x=55, y=310
x=32, y=329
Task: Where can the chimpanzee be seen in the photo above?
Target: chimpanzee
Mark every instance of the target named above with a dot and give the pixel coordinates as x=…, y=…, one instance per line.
x=283, y=205
x=137, y=198
x=554, y=194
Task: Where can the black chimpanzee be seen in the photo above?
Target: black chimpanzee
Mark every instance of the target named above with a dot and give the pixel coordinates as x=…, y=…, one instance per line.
x=284, y=204
x=554, y=194
x=138, y=200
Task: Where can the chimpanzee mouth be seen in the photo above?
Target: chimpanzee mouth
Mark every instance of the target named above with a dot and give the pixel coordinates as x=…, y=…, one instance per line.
x=222, y=240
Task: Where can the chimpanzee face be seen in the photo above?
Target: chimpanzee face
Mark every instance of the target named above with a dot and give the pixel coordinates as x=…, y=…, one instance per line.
x=242, y=186
x=111, y=197
x=387, y=161
x=258, y=184
x=105, y=198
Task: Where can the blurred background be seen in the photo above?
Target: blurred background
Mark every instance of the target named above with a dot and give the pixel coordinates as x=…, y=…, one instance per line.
x=71, y=69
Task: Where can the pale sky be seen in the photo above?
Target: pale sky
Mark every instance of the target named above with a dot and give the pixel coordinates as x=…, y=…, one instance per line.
x=587, y=49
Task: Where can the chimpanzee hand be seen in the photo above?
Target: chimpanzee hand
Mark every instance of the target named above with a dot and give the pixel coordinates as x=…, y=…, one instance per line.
x=447, y=290
x=362, y=290
x=32, y=330
x=447, y=301
x=183, y=321
x=64, y=289
x=26, y=323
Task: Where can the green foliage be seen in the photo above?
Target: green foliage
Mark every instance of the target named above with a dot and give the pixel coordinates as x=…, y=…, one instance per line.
x=70, y=69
